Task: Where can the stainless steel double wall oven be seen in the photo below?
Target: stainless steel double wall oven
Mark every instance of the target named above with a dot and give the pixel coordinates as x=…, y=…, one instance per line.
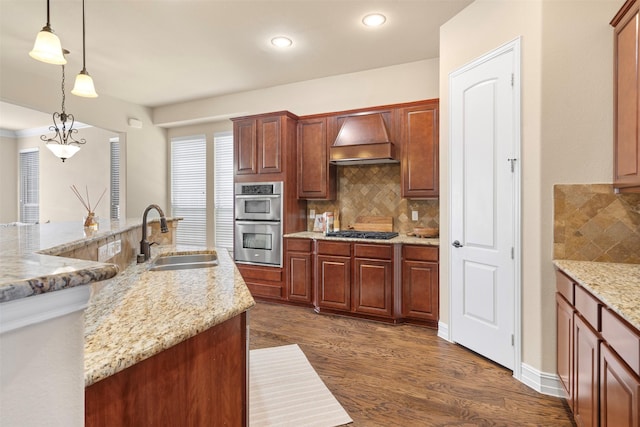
x=258, y=223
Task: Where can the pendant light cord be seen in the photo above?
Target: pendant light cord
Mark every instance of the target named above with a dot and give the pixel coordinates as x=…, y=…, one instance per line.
x=84, y=53
x=63, y=96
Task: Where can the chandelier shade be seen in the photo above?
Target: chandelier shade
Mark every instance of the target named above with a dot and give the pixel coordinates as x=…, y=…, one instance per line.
x=62, y=151
x=47, y=47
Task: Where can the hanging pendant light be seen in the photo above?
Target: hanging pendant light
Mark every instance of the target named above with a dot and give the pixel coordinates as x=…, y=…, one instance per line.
x=63, y=145
x=84, y=83
x=47, y=47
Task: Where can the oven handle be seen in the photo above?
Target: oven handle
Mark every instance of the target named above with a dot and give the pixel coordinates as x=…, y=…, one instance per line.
x=258, y=196
x=245, y=222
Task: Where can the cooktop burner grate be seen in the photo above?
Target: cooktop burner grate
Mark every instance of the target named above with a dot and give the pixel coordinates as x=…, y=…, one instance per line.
x=383, y=235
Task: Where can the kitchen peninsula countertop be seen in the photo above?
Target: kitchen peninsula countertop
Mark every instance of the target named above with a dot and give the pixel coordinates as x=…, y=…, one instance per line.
x=140, y=313
x=400, y=239
x=28, y=264
x=615, y=284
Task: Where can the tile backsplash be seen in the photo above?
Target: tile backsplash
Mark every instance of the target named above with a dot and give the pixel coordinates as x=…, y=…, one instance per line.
x=374, y=190
x=592, y=223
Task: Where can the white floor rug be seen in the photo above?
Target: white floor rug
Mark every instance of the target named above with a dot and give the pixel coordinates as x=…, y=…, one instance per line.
x=285, y=390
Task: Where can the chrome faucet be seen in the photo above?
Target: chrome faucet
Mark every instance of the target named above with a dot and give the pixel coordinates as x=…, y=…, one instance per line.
x=145, y=246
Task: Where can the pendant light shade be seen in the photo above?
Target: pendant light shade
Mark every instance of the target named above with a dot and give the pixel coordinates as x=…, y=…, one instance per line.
x=84, y=83
x=62, y=151
x=47, y=47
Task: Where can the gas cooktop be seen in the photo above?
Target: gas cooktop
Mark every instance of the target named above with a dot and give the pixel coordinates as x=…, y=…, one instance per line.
x=384, y=235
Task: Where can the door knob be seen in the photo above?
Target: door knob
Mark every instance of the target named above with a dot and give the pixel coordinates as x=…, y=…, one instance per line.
x=456, y=244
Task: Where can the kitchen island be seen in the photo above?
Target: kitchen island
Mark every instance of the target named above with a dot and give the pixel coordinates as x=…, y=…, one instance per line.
x=167, y=325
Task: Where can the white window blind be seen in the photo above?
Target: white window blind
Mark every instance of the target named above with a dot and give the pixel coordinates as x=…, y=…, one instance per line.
x=30, y=186
x=189, y=189
x=223, y=146
x=115, y=179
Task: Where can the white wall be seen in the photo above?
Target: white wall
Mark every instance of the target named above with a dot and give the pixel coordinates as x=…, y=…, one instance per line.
x=88, y=169
x=566, y=128
x=389, y=85
x=8, y=179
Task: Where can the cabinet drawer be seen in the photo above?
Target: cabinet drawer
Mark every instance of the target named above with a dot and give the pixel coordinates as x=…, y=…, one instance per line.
x=624, y=339
x=271, y=274
x=420, y=253
x=587, y=306
x=334, y=248
x=372, y=251
x=564, y=285
x=299, y=245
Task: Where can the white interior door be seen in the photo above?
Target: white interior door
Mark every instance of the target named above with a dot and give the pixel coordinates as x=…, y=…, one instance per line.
x=484, y=102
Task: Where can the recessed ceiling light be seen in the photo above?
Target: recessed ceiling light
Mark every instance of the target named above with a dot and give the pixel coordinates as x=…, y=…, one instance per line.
x=374, y=20
x=281, y=41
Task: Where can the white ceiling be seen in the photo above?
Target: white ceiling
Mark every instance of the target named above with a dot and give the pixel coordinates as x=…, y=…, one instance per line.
x=158, y=52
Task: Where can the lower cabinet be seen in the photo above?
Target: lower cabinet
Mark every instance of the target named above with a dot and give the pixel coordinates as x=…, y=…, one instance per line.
x=420, y=283
x=263, y=282
x=598, y=359
x=299, y=273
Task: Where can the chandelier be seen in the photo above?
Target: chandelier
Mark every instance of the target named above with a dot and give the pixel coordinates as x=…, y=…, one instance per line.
x=62, y=144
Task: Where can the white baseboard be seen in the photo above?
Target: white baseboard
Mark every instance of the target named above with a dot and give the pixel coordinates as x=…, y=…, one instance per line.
x=443, y=331
x=542, y=382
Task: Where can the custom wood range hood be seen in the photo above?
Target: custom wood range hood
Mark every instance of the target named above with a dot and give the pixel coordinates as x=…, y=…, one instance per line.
x=363, y=139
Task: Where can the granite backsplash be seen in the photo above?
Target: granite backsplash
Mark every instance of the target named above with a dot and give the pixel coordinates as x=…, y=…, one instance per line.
x=374, y=190
x=592, y=223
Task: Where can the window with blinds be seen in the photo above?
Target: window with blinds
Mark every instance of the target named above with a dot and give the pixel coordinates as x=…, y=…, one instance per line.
x=189, y=189
x=115, y=179
x=223, y=149
x=30, y=186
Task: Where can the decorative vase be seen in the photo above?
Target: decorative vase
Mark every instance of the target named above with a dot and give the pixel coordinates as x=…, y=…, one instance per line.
x=91, y=221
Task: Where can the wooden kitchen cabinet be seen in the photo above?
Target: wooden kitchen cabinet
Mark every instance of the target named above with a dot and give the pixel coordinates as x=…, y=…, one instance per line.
x=316, y=176
x=420, y=284
x=626, y=166
x=261, y=145
x=263, y=281
x=598, y=358
x=299, y=270
x=373, y=279
x=418, y=138
x=333, y=264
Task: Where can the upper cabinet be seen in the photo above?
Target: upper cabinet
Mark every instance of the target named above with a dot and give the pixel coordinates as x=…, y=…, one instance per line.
x=316, y=177
x=626, y=168
x=418, y=137
x=262, y=143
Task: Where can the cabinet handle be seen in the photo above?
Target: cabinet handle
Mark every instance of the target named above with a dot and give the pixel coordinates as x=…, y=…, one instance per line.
x=456, y=244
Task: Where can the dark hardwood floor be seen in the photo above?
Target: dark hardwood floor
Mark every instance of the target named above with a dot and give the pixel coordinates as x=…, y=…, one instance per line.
x=386, y=375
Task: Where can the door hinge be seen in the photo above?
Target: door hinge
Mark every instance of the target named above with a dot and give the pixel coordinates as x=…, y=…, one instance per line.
x=512, y=79
x=512, y=340
x=513, y=252
x=512, y=161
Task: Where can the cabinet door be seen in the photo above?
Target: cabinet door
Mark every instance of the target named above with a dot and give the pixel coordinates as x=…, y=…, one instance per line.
x=420, y=290
x=245, y=155
x=334, y=282
x=419, y=139
x=299, y=277
x=373, y=287
x=316, y=178
x=627, y=111
x=586, y=359
x=564, y=346
x=270, y=145
x=619, y=391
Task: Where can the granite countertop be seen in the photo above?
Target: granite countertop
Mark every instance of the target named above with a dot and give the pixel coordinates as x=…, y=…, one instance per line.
x=400, y=239
x=140, y=313
x=616, y=285
x=28, y=264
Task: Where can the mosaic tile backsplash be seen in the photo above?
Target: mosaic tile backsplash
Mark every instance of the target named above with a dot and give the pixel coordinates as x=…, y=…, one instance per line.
x=592, y=223
x=374, y=190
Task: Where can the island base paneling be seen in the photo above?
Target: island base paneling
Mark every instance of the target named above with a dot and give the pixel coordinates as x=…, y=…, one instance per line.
x=200, y=382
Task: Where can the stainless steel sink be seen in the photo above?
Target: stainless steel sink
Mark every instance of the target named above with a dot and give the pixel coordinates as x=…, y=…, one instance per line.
x=184, y=261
